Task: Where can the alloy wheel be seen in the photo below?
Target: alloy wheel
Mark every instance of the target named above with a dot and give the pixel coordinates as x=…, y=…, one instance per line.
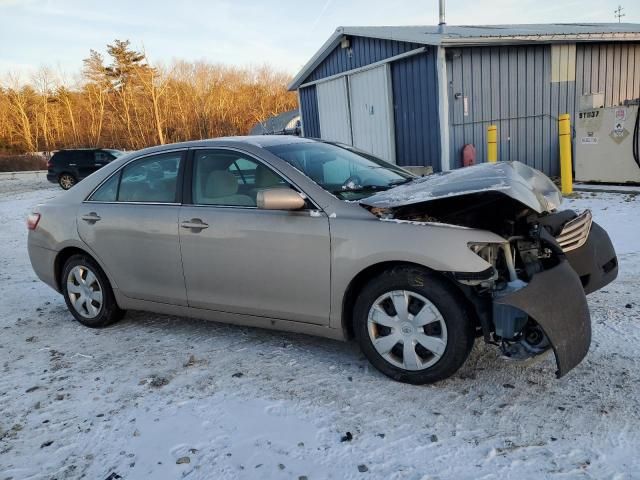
x=67, y=181
x=407, y=330
x=84, y=291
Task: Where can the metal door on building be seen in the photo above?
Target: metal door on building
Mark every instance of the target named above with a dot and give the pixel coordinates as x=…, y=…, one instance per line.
x=372, y=113
x=333, y=110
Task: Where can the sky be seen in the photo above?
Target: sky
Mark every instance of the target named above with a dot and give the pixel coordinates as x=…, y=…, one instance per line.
x=285, y=34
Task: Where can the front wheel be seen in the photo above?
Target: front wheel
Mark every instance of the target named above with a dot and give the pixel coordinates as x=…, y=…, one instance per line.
x=87, y=293
x=412, y=326
x=66, y=181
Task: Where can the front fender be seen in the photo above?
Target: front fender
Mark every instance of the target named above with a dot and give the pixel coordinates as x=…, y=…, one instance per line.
x=359, y=243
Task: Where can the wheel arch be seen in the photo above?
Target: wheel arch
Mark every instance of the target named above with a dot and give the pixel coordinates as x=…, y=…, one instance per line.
x=64, y=255
x=67, y=172
x=360, y=280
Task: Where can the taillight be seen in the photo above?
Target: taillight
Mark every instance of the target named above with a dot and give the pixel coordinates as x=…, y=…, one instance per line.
x=49, y=165
x=32, y=221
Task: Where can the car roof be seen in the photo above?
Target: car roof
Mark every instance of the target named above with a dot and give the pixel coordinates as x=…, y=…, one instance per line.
x=261, y=141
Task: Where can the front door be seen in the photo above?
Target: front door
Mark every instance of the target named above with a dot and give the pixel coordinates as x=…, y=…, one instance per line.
x=131, y=225
x=241, y=259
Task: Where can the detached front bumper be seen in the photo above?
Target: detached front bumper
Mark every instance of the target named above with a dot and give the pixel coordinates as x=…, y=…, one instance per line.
x=556, y=300
x=595, y=262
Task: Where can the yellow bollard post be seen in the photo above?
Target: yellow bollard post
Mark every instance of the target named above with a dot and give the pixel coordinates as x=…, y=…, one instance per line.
x=492, y=143
x=564, y=132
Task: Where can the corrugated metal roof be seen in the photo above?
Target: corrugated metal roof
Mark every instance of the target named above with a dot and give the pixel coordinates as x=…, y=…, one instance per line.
x=434, y=35
x=468, y=35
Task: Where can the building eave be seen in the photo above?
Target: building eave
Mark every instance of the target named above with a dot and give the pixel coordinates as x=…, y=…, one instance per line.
x=317, y=59
x=459, y=36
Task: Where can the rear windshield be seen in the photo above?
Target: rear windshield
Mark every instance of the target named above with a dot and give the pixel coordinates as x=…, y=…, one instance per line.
x=347, y=174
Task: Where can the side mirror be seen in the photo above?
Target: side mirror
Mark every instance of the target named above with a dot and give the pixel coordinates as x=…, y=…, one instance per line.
x=279, y=199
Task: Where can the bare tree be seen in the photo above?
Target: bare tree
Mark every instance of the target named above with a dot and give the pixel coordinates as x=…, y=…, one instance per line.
x=123, y=101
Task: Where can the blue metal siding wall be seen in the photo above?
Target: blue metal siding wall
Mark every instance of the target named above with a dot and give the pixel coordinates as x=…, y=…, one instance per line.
x=364, y=51
x=511, y=87
x=415, y=104
x=609, y=68
x=309, y=111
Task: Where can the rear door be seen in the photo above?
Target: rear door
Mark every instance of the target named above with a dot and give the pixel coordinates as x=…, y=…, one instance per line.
x=131, y=224
x=241, y=259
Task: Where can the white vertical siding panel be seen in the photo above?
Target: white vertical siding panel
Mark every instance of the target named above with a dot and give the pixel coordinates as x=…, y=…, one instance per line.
x=371, y=115
x=333, y=110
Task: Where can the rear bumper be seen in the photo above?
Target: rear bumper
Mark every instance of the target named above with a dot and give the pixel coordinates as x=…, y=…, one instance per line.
x=556, y=300
x=52, y=177
x=43, y=263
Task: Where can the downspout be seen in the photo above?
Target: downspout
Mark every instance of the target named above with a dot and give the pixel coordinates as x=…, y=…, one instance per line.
x=443, y=91
x=300, y=112
x=443, y=107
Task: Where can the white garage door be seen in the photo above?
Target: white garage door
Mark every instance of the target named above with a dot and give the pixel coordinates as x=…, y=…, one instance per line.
x=333, y=110
x=371, y=112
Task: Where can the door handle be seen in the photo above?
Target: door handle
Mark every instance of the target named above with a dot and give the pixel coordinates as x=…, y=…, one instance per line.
x=194, y=224
x=92, y=217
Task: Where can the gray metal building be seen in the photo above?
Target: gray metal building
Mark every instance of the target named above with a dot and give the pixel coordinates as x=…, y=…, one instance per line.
x=416, y=95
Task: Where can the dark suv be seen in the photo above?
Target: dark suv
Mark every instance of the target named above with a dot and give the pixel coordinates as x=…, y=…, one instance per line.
x=68, y=167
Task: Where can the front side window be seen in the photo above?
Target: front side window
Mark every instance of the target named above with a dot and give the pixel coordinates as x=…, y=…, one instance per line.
x=229, y=178
x=152, y=179
x=345, y=173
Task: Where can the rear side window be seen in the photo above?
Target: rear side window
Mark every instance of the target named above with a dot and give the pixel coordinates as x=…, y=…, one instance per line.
x=77, y=157
x=101, y=156
x=152, y=179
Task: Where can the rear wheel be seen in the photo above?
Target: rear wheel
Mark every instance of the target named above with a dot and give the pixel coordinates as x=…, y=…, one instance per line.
x=88, y=294
x=66, y=181
x=412, y=326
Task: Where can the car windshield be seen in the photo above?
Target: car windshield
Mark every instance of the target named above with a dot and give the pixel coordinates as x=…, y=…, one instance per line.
x=346, y=173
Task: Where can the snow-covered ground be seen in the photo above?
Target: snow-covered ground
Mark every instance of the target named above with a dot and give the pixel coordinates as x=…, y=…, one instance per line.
x=135, y=398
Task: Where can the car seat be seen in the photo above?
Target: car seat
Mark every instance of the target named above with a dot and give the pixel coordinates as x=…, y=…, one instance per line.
x=221, y=188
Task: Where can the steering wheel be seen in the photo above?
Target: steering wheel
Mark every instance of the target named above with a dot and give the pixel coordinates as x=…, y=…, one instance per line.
x=354, y=180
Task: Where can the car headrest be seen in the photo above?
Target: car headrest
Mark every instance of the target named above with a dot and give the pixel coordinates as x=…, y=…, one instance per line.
x=154, y=171
x=221, y=183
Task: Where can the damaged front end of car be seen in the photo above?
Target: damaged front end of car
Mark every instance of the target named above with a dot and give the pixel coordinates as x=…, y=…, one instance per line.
x=532, y=298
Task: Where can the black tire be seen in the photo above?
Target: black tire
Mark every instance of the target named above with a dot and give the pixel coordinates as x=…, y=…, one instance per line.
x=66, y=181
x=108, y=311
x=460, y=334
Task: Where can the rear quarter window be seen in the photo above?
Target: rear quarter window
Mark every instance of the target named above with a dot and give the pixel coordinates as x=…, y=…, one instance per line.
x=108, y=191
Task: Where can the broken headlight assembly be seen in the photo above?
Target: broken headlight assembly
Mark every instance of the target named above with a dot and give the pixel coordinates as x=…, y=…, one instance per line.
x=500, y=256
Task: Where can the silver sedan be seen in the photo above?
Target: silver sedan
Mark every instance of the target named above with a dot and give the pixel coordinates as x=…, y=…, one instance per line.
x=319, y=238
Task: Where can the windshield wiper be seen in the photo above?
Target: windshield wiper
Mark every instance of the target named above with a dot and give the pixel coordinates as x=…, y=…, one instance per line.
x=361, y=189
x=402, y=181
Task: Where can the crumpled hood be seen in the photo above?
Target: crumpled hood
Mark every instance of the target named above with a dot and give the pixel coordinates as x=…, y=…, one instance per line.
x=524, y=184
